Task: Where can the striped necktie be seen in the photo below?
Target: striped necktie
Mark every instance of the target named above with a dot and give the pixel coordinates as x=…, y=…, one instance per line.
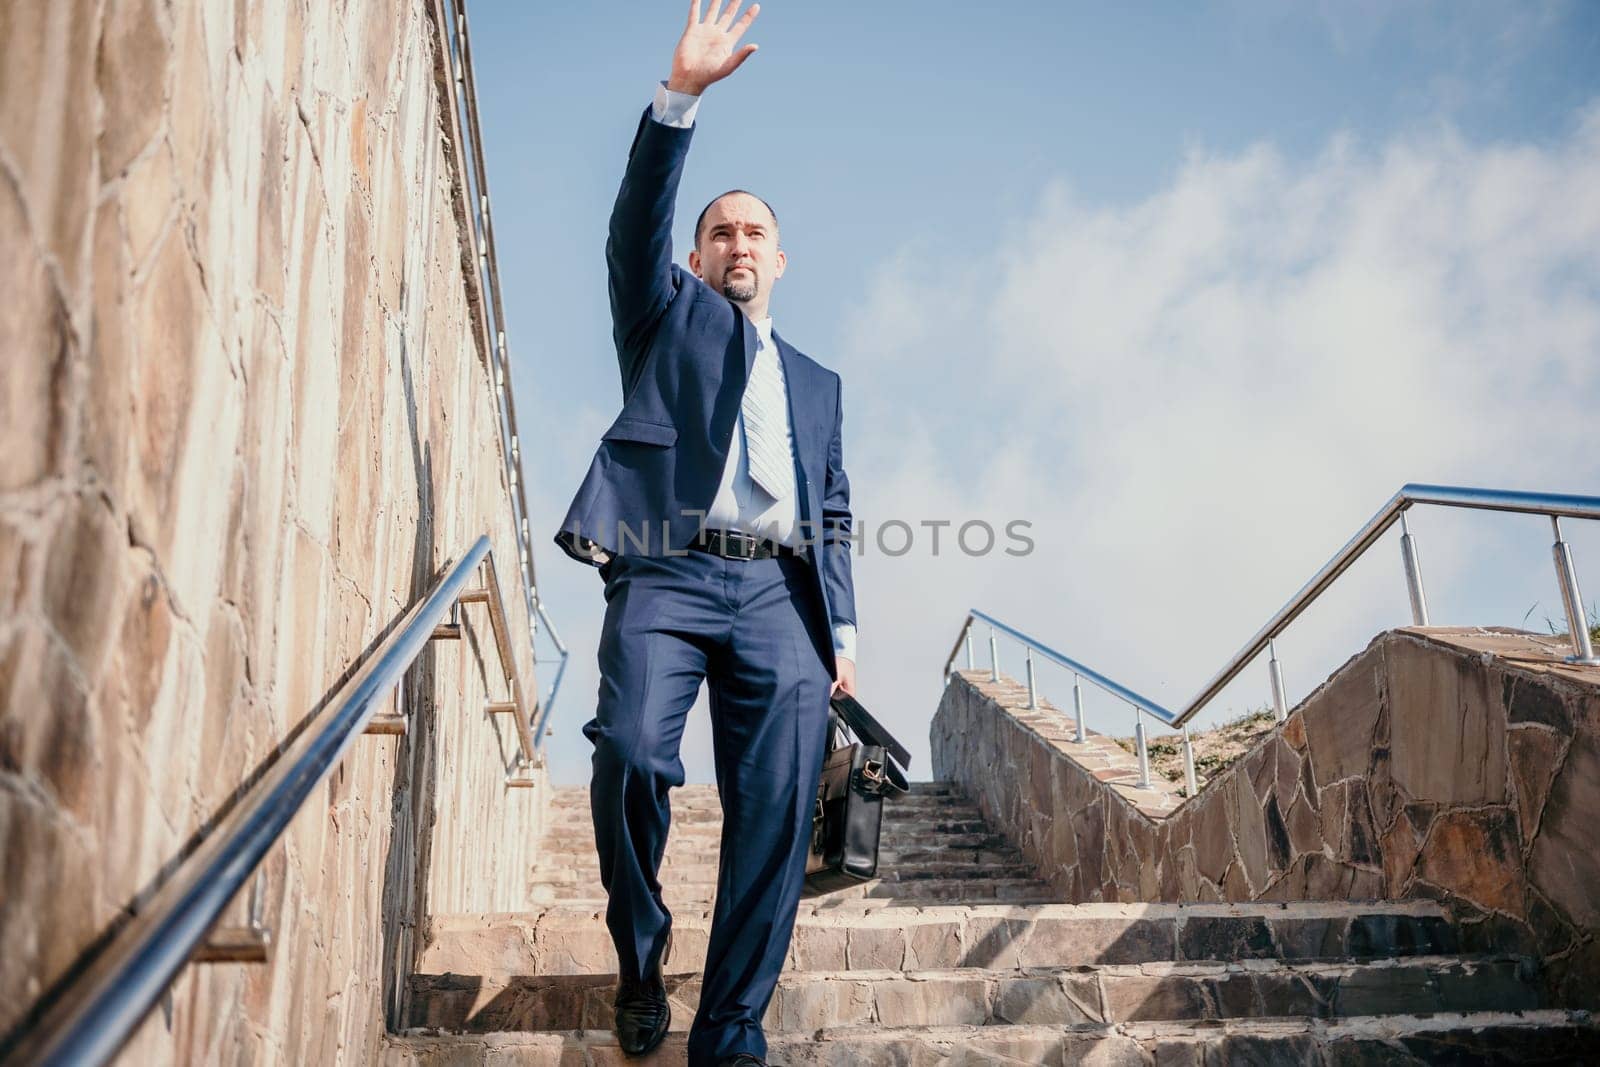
x=766, y=425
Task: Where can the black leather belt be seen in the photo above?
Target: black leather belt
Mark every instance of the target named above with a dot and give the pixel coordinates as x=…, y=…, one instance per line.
x=732, y=544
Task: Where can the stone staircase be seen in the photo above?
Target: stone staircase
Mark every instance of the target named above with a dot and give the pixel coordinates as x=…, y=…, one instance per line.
x=959, y=955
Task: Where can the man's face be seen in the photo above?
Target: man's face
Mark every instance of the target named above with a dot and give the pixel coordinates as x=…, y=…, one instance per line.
x=738, y=253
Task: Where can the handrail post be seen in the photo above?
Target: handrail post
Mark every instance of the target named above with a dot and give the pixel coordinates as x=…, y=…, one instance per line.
x=1572, y=598
x=964, y=640
x=1408, y=557
x=1280, y=702
x=994, y=657
x=1033, y=690
x=1141, y=748
x=1077, y=708
x=1189, y=779
x=541, y=729
x=250, y=943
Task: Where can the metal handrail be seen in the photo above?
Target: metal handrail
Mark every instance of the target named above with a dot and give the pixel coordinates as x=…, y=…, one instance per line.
x=454, y=75
x=1554, y=505
x=105, y=1004
x=1116, y=689
x=488, y=594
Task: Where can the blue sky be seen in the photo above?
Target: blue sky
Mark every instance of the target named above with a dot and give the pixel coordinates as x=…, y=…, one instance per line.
x=1191, y=287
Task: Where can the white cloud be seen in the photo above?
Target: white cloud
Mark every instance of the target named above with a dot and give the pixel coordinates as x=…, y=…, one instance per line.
x=1198, y=397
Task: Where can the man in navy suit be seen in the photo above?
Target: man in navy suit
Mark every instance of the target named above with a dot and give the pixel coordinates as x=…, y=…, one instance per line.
x=718, y=513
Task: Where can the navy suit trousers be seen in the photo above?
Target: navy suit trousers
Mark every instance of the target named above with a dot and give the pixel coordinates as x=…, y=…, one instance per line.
x=750, y=629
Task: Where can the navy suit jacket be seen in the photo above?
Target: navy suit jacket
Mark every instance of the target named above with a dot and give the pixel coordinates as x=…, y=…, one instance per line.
x=685, y=352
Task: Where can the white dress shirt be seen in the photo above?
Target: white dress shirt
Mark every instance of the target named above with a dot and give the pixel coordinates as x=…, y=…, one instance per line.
x=740, y=503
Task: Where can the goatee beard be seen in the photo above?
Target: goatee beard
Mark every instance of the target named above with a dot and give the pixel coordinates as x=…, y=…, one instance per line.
x=740, y=293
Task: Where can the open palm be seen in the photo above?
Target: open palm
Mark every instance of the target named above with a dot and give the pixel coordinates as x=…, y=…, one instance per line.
x=705, y=53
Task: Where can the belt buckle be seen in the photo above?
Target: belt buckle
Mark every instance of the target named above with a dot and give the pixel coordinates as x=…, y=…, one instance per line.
x=746, y=545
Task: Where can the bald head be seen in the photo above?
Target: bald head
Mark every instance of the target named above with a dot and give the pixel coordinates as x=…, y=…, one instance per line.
x=700, y=223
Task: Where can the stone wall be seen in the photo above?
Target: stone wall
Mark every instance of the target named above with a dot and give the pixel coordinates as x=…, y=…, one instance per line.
x=243, y=418
x=1458, y=765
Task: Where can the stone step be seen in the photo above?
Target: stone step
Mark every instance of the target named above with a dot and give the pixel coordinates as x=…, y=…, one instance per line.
x=702, y=819
x=923, y=890
x=577, y=844
x=901, y=809
x=866, y=934
x=1548, y=1037
x=969, y=849
x=981, y=997
x=692, y=843
x=684, y=800
x=564, y=826
x=706, y=793
x=706, y=874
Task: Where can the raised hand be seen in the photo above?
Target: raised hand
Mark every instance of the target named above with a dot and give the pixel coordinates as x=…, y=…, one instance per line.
x=705, y=53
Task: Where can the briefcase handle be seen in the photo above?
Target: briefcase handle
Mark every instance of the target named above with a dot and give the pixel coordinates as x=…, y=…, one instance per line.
x=868, y=729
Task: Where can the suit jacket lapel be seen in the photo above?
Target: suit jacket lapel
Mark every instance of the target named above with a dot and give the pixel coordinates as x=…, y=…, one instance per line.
x=723, y=433
x=751, y=342
x=799, y=412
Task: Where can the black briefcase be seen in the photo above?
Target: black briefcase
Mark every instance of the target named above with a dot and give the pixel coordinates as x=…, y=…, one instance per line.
x=856, y=776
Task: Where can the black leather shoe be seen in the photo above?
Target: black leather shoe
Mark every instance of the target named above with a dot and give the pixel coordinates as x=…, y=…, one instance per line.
x=643, y=1014
x=742, y=1059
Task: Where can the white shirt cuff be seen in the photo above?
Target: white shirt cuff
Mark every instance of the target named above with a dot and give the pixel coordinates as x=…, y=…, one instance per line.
x=844, y=641
x=673, y=108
